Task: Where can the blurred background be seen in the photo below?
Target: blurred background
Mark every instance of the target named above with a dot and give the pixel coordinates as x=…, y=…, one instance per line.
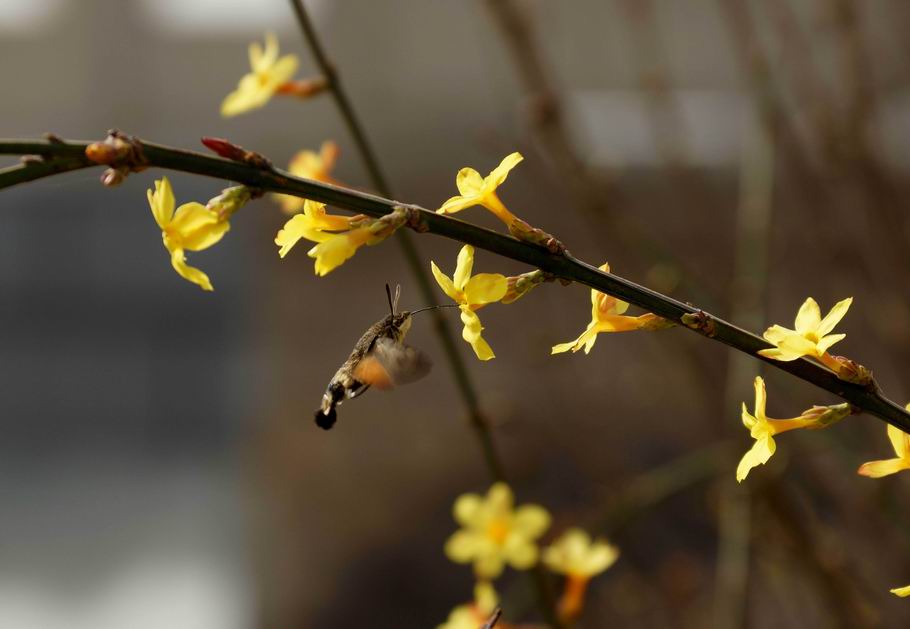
x=158, y=462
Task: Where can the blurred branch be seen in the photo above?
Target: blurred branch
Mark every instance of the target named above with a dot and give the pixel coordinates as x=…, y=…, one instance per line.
x=750, y=279
x=667, y=123
x=493, y=619
x=836, y=585
x=564, y=266
x=443, y=331
x=547, y=118
x=651, y=488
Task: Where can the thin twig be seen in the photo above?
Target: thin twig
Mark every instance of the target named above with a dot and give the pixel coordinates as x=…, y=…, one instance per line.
x=750, y=279
x=630, y=238
x=565, y=266
x=460, y=372
x=493, y=619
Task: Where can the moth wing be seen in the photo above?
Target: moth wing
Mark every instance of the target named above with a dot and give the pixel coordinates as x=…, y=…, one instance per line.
x=390, y=364
x=372, y=373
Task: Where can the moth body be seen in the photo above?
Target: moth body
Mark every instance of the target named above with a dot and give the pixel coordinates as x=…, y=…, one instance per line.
x=379, y=359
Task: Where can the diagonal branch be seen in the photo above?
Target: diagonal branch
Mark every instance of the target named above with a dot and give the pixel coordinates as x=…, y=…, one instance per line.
x=870, y=399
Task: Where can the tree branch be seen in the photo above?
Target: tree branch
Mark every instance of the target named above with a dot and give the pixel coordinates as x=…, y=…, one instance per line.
x=564, y=266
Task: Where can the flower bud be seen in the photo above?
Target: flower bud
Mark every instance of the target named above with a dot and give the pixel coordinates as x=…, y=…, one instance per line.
x=520, y=285
x=824, y=416
x=229, y=201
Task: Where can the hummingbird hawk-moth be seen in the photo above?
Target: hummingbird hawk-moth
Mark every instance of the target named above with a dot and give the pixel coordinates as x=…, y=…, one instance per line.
x=380, y=359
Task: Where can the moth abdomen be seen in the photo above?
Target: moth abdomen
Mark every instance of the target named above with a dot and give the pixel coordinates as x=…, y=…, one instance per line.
x=326, y=419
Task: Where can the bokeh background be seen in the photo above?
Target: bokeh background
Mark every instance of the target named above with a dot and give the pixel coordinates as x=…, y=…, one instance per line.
x=158, y=463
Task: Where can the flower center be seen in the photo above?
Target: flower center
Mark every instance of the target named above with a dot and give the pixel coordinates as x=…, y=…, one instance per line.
x=811, y=336
x=498, y=531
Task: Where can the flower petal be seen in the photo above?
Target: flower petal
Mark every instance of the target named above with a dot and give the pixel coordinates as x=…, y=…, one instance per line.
x=485, y=598
x=471, y=334
x=457, y=204
x=162, y=202
x=255, y=54
x=833, y=318
x=469, y=182
x=877, y=469
x=521, y=554
x=446, y=284
x=319, y=219
x=270, y=54
x=466, y=508
x=296, y=228
x=902, y=592
x=198, y=227
x=808, y=317
x=761, y=451
x=531, y=521
x=900, y=441
x=500, y=498
x=464, y=267
x=571, y=345
x=485, y=288
x=749, y=420
x=283, y=71
x=777, y=333
x=489, y=566
x=482, y=349
x=247, y=96
x=779, y=354
x=338, y=248
x=617, y=323
x=600, y=557
x=192, y=274
x=761, y=398
x=499, y=174
x=462, y=546
x=826, y=342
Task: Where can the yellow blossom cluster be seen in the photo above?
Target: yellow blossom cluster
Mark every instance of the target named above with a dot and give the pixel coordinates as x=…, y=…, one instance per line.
x=495, y=533
x=337, y=238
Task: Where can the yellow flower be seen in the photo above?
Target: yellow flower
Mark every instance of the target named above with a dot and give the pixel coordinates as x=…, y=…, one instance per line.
x=337, y=237
x=493, y=534
x=811, y=336
x=474, y=614
x=269, y=73
x=763, y=428
x=310, y=165
x=471, y=293
x=575, y=555
x=900, y=441
x=902, y=592
x=192, y=227
x=477, y=190
x=606, y=316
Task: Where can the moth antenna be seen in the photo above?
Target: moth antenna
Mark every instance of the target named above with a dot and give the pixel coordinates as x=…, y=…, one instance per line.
x=414, y=312
x=388, y=293
x=397, y=297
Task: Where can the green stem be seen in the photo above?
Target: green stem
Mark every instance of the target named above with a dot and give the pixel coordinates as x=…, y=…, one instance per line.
x=565, y=266
x=408, y=247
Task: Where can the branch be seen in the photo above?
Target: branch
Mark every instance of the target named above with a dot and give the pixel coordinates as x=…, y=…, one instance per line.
x=564, y=266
